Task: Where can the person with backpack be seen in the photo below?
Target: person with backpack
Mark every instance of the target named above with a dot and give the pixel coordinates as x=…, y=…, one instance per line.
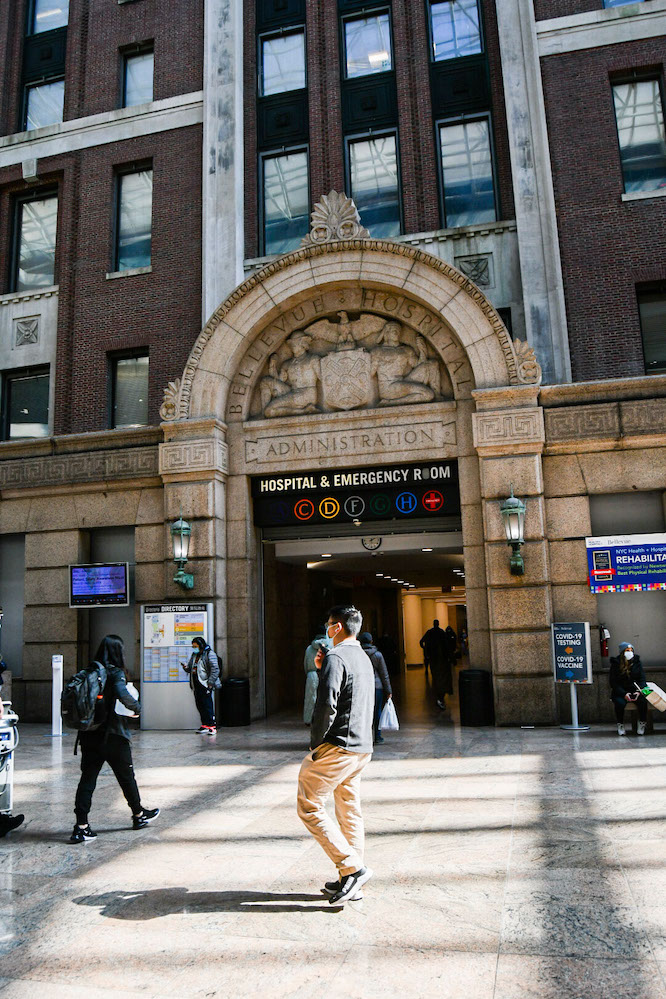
x=204, y=670
x=103, y=734
x=383, y=689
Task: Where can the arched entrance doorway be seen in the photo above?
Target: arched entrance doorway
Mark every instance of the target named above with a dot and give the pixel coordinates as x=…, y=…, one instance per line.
x=350, y=353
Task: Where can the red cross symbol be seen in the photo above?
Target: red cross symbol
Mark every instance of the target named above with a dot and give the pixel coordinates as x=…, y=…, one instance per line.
x=433, y=500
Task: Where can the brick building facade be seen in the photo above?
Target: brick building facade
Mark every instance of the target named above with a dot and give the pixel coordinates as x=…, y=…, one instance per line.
x=171, y=158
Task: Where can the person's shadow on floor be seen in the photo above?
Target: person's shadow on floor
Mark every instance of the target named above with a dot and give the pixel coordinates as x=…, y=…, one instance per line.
x=156, y=902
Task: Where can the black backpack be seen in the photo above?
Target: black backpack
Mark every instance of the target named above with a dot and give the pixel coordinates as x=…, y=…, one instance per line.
x=82, y=703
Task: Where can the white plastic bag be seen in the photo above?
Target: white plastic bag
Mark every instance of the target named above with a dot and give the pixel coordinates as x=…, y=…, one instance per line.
x=388, y=720
x=120, y=707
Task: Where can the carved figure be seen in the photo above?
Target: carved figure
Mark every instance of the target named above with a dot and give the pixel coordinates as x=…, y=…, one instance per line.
x=402, y=374
x=291, y=390
x=334, y=217
x=529, y=369
x=169, y=407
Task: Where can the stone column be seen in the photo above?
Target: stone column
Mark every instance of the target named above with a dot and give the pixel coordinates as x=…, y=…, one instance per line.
x=193, y=466
x=538, y=246
x=222, y=203
x=509, y=437
x=411, y=603
x=428, y=613
x=442, y=613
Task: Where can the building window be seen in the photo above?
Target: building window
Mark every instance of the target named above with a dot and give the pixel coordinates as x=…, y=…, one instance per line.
x=467, y=173
x=286, y=201
x=617, y=3
x=652, y=309
x=282, y=63
x=373, y=174
x=134, y=220
x=367, y=45
x=36, y=223
x=44, y=104
x=455, y=29
x=48, y=14
x=639, y=113
x=138, y=78
x=26, y=404
x=129, y=391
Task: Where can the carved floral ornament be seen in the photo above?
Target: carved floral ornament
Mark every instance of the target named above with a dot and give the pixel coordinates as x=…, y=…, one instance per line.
x=335, y=227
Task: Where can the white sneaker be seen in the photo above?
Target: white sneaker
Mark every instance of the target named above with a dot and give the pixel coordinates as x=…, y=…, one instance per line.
x=620, y=728
x=641, y=728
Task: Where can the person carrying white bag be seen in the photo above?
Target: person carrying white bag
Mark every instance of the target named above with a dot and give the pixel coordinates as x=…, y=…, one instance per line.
x=383, y=689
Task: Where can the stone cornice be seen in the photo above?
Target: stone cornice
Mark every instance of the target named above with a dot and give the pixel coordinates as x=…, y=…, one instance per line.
x=96, y=440
x=606, y=390
x=630, y=423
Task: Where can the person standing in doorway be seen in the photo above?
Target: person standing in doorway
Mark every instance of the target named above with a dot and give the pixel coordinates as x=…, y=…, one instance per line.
x=341, y=741
x=312, y=675
x=7, y=822
x=383, y=690
x=204, y=670
x=110, y=743
x=626, y=671
x=435, y=645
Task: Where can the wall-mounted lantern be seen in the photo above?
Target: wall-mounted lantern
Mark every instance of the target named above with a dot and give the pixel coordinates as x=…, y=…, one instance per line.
x=513, y=515
x=181, y=532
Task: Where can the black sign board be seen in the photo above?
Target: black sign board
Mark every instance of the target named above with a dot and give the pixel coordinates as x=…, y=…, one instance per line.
x=384, y=492
x=572, y=656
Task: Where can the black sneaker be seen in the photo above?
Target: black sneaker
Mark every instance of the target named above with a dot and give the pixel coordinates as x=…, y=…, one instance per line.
x=9, y=823
x=82, y=834
x=146, y=816
x=333, y=887
x=349, y=886
x=442, y=704
x=202, y=730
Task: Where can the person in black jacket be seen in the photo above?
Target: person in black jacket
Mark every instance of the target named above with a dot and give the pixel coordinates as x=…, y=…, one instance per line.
x=110, y=743
x=7, y=822
x=625, y=672
x=204, y=670
x=383, y=688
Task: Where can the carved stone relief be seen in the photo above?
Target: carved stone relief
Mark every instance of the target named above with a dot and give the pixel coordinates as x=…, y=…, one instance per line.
x=26, y=331
x=68, y=469
x=478, y=269
x=335, y=217
x=350, y=362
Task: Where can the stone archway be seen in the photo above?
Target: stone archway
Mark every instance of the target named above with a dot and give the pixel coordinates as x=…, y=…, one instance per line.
x=255, y=397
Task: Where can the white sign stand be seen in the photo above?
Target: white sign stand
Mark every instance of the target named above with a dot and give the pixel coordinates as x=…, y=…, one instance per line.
x=56, y=693
x=574, y=727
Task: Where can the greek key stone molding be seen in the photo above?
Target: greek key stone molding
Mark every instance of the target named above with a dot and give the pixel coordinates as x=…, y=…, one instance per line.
x=643, y=416
x=179, y=401
x=192, y=459
x=69, y=469
x=509, y=431
x=572, y=423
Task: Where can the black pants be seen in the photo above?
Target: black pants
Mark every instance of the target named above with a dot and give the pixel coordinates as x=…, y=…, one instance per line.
x=204, y=701
x=95, y=752
x=620, y=704
x=379, y=704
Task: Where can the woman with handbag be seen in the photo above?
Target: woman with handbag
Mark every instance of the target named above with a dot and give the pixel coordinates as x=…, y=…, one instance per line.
x=204, y=671
x=383, y=689
x=626, y=671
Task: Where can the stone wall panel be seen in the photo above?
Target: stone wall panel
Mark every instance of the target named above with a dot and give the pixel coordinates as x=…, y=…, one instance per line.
x=528, y=609
x=523, y=472
x=568, y=517
x=535, y=556
x=524, y=701
x=522, y=653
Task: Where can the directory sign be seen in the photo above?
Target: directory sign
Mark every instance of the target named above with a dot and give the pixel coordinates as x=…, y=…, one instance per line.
x=99, y=585
x=385, y=492
x=572, y=652
x=629, y=563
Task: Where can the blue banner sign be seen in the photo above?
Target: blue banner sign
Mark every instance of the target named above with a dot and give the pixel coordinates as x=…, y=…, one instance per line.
x=627, y=563
x=572, y=654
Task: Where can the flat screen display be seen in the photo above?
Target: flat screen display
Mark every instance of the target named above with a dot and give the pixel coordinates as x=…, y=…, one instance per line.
x=101, y=585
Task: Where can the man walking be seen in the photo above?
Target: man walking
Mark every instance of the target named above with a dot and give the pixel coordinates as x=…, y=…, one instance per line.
x=341, y=741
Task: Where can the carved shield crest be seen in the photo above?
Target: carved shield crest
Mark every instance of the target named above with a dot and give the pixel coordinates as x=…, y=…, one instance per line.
x=346, y=379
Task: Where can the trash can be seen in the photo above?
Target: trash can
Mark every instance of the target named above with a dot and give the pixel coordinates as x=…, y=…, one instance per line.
x=234, y=702
x=475, y=689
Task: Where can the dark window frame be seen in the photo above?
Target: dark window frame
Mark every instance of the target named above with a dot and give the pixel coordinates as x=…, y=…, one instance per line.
x=360, y=15
x=139, y=48
x=643, y=75
x=365, y=136
x=460, y=119
x=301, y=147
x=265, y=36
x=30, y=86
x=649, y=288
x=7, y=377
x=456, y=60
x=35, y=194
x=111, y=361
x=120, y=171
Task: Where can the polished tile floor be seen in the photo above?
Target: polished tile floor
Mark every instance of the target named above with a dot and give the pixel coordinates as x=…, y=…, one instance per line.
x=509, y=864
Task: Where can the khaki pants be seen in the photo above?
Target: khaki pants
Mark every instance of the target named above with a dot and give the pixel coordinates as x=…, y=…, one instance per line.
x=331, y=769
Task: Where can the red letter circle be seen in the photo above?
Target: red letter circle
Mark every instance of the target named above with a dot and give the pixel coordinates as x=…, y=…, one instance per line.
x=304, y=509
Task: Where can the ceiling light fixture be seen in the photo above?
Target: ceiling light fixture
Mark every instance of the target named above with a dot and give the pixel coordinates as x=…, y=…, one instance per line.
x=327, y=555
x=426, y=549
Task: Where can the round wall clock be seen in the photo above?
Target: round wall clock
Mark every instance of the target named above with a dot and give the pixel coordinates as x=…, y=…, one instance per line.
x=371, y=544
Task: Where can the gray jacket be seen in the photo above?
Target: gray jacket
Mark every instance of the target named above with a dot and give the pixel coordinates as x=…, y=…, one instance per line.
x=345, y=700
x=211, y=666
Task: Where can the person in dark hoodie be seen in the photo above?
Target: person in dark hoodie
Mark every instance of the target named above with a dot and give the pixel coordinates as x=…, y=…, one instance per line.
x=383, y=690
x=626, y=671
x=110, y=743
